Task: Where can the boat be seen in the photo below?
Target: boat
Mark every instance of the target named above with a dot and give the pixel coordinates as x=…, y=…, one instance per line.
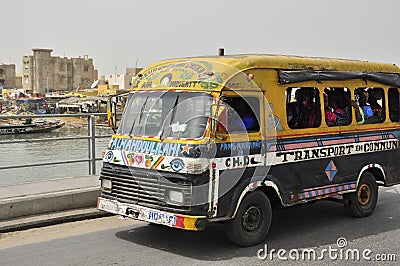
x=30, y=126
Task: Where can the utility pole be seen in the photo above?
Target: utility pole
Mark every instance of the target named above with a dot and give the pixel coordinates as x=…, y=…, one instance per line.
x=47, y=81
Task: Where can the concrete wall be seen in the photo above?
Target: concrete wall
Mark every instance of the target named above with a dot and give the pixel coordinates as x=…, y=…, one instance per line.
x=47, y=203
x=44, y=73
x=7, y=76
x=82, y=72
x=27, y=73
x=18, y=82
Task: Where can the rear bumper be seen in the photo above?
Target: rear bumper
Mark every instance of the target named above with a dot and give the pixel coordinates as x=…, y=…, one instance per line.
x=193, y=223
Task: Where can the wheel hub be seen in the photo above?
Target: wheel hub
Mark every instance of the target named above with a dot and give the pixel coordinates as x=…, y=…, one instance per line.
x=252, y=218
x=364, y=194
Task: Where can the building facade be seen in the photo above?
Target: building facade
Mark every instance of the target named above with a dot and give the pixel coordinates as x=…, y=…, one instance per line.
x=123, y=81
x=44, y=73
x=7, y=76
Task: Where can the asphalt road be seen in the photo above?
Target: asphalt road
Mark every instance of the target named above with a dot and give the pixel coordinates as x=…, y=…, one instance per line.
x=318, y=226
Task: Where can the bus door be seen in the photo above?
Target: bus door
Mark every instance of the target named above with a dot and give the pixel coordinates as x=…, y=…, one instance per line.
x=239, y=147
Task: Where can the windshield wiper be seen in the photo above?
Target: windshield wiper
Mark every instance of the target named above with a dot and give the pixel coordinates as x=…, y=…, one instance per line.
x=172, y=117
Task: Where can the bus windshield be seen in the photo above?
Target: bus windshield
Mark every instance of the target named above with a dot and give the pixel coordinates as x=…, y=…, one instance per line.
x=166, y=114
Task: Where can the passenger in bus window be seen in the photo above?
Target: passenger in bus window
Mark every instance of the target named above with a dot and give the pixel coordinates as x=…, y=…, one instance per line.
x=312, y=117
x=338, y=109
x=342, y=108
x=373, y=96
x=296, y=110
x=359, y=112
x=362, y=102
x=330, y=117
x=304, y=111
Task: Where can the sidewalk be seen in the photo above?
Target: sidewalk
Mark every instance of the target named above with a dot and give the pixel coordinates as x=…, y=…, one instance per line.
x=48, y=202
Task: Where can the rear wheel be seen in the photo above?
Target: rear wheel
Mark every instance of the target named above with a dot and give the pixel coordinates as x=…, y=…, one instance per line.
x=362, y=203
x=252, y=221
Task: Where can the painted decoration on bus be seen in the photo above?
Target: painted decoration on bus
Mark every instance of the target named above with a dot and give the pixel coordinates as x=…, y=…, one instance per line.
x=197, y=74
x=295, y=151
x=153, y=147
x=142, y=160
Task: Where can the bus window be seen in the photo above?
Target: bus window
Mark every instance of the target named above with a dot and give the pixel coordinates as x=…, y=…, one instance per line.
x=303, y=107
x=243, y=114
x=337, y=106
x=371, y=100
x=394, y=105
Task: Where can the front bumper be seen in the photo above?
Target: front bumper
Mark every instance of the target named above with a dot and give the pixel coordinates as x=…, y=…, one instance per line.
x=194, y=223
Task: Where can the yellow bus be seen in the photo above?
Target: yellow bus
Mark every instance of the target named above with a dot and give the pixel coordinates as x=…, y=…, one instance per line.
x=228, y=138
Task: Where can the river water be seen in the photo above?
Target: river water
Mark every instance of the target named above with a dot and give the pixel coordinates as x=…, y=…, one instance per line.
x=41, y=152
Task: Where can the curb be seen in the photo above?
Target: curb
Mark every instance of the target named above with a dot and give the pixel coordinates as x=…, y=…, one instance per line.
x=12, y=208
x=50, y=219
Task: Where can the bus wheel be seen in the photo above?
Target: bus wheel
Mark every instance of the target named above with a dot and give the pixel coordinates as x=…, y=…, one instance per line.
x=252, y=221
x=362, y=202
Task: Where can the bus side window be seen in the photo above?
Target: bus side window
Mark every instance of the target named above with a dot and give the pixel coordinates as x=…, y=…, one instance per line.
x=394, y=105
x=372, y=100
x=303, y=107
x=337, y=104
x=243, y=114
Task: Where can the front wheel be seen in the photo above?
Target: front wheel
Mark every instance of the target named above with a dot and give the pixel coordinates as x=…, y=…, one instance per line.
x=362, y=203
x=252, y=221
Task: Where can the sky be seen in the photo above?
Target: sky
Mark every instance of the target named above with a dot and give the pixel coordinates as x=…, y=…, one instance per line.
x=128, y=33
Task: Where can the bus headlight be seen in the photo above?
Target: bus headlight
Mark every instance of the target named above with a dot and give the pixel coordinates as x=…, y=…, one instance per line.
x=106, y=184
x=175, y=197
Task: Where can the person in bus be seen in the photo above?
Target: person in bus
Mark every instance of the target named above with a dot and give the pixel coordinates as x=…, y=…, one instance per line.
x=361, y=99
x=330, y=117
x=359, y=112
x=337, y=111
x=373, y=96
x=303, y=112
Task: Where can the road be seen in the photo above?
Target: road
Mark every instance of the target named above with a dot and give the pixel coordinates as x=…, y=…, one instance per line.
x=112, y=241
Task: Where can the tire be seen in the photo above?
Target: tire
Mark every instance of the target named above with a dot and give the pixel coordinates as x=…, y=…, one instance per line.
x=362, y=203
x=252, y=221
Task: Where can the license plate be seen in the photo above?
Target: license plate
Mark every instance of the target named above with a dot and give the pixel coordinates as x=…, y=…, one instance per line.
x=161, y=218
x=109, y=206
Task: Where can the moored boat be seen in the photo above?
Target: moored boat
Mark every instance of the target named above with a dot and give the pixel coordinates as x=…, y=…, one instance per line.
x=30, y=126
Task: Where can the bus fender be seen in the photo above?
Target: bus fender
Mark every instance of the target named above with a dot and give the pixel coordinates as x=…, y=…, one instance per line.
x=376, y=169
x=241, y=193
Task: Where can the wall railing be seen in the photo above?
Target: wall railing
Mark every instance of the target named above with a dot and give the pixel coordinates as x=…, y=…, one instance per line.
x=91, y=137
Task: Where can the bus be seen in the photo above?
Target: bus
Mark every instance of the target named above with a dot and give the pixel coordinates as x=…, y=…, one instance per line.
x=229, y=138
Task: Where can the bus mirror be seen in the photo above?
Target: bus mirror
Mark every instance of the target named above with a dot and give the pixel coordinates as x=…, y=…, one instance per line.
x=219, y=121
x=112, y=113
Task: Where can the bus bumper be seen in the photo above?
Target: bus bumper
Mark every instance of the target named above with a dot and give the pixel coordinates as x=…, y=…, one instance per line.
x=193, y=223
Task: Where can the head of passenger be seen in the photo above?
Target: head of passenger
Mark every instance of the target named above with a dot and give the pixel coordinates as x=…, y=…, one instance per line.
x=362, y=98
x=373, y=96
x=300, y=95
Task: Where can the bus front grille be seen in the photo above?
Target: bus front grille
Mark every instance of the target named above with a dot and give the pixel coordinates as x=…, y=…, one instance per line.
x=145, y=188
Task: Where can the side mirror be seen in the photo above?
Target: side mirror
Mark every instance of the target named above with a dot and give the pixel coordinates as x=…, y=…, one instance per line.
x=219, y=121
x=112, y=113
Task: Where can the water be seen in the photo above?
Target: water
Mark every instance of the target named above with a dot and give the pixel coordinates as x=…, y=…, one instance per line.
x=41, y=152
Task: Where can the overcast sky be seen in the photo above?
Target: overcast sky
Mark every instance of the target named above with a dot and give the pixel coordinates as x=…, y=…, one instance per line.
x=123, y=33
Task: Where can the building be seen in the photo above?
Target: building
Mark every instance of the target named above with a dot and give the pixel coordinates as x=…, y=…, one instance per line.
x=18, y=82
x=120, y=80
x=123, y=81
x=133, y=71
x=7, y=76
x=43, y=73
